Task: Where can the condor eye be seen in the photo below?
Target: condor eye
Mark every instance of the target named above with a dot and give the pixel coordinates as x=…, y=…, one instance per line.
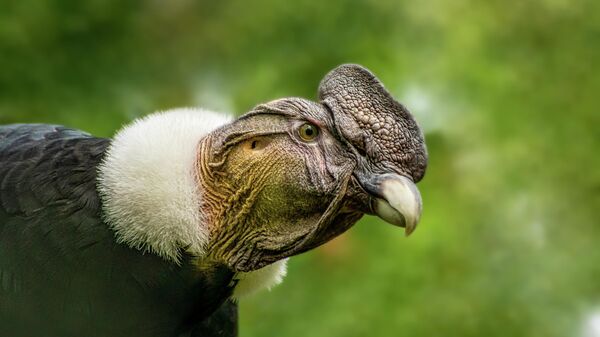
x=308, y=132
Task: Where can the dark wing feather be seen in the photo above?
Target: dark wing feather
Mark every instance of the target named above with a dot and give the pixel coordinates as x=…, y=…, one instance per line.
x=61, y=272
x=222, y=323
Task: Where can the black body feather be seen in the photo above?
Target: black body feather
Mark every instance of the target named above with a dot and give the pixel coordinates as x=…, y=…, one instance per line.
x=62, y=272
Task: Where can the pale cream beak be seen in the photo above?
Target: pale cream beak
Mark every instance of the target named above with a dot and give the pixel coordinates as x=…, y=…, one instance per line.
x=401, y=204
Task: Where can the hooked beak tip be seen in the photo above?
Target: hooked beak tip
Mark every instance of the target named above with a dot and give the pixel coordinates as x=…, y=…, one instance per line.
x=401, y=204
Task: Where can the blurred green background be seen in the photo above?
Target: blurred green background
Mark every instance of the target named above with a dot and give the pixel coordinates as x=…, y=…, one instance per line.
x=507, y=95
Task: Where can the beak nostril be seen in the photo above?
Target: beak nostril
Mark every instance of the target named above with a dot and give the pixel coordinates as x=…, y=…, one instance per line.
x=361, y=151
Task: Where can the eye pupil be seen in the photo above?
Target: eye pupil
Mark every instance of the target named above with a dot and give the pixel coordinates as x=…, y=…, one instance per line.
x=308, y=132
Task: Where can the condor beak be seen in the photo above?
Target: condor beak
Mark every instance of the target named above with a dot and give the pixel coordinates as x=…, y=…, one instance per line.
x=396, y=200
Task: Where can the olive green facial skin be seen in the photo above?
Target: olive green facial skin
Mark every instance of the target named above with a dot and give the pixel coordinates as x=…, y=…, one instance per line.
x=272, y=189
x=292, y=174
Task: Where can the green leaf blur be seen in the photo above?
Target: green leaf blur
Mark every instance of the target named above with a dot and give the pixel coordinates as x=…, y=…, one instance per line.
x=506, y=92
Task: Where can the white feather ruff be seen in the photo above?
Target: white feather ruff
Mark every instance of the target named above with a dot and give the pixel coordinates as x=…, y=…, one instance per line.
x=148, y=186
x=264, y=278
x=150, y=193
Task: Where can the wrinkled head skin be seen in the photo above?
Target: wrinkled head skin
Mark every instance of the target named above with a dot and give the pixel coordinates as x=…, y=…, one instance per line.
x=292, y=174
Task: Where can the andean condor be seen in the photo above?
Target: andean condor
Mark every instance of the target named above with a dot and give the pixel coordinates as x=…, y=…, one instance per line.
x=157, y=231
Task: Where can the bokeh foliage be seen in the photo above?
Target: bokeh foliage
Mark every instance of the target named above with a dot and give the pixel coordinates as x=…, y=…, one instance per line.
x=507, y=93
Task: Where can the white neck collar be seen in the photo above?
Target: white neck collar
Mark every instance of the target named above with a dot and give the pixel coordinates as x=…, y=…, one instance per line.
x=150, y=193
x=147, y=182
